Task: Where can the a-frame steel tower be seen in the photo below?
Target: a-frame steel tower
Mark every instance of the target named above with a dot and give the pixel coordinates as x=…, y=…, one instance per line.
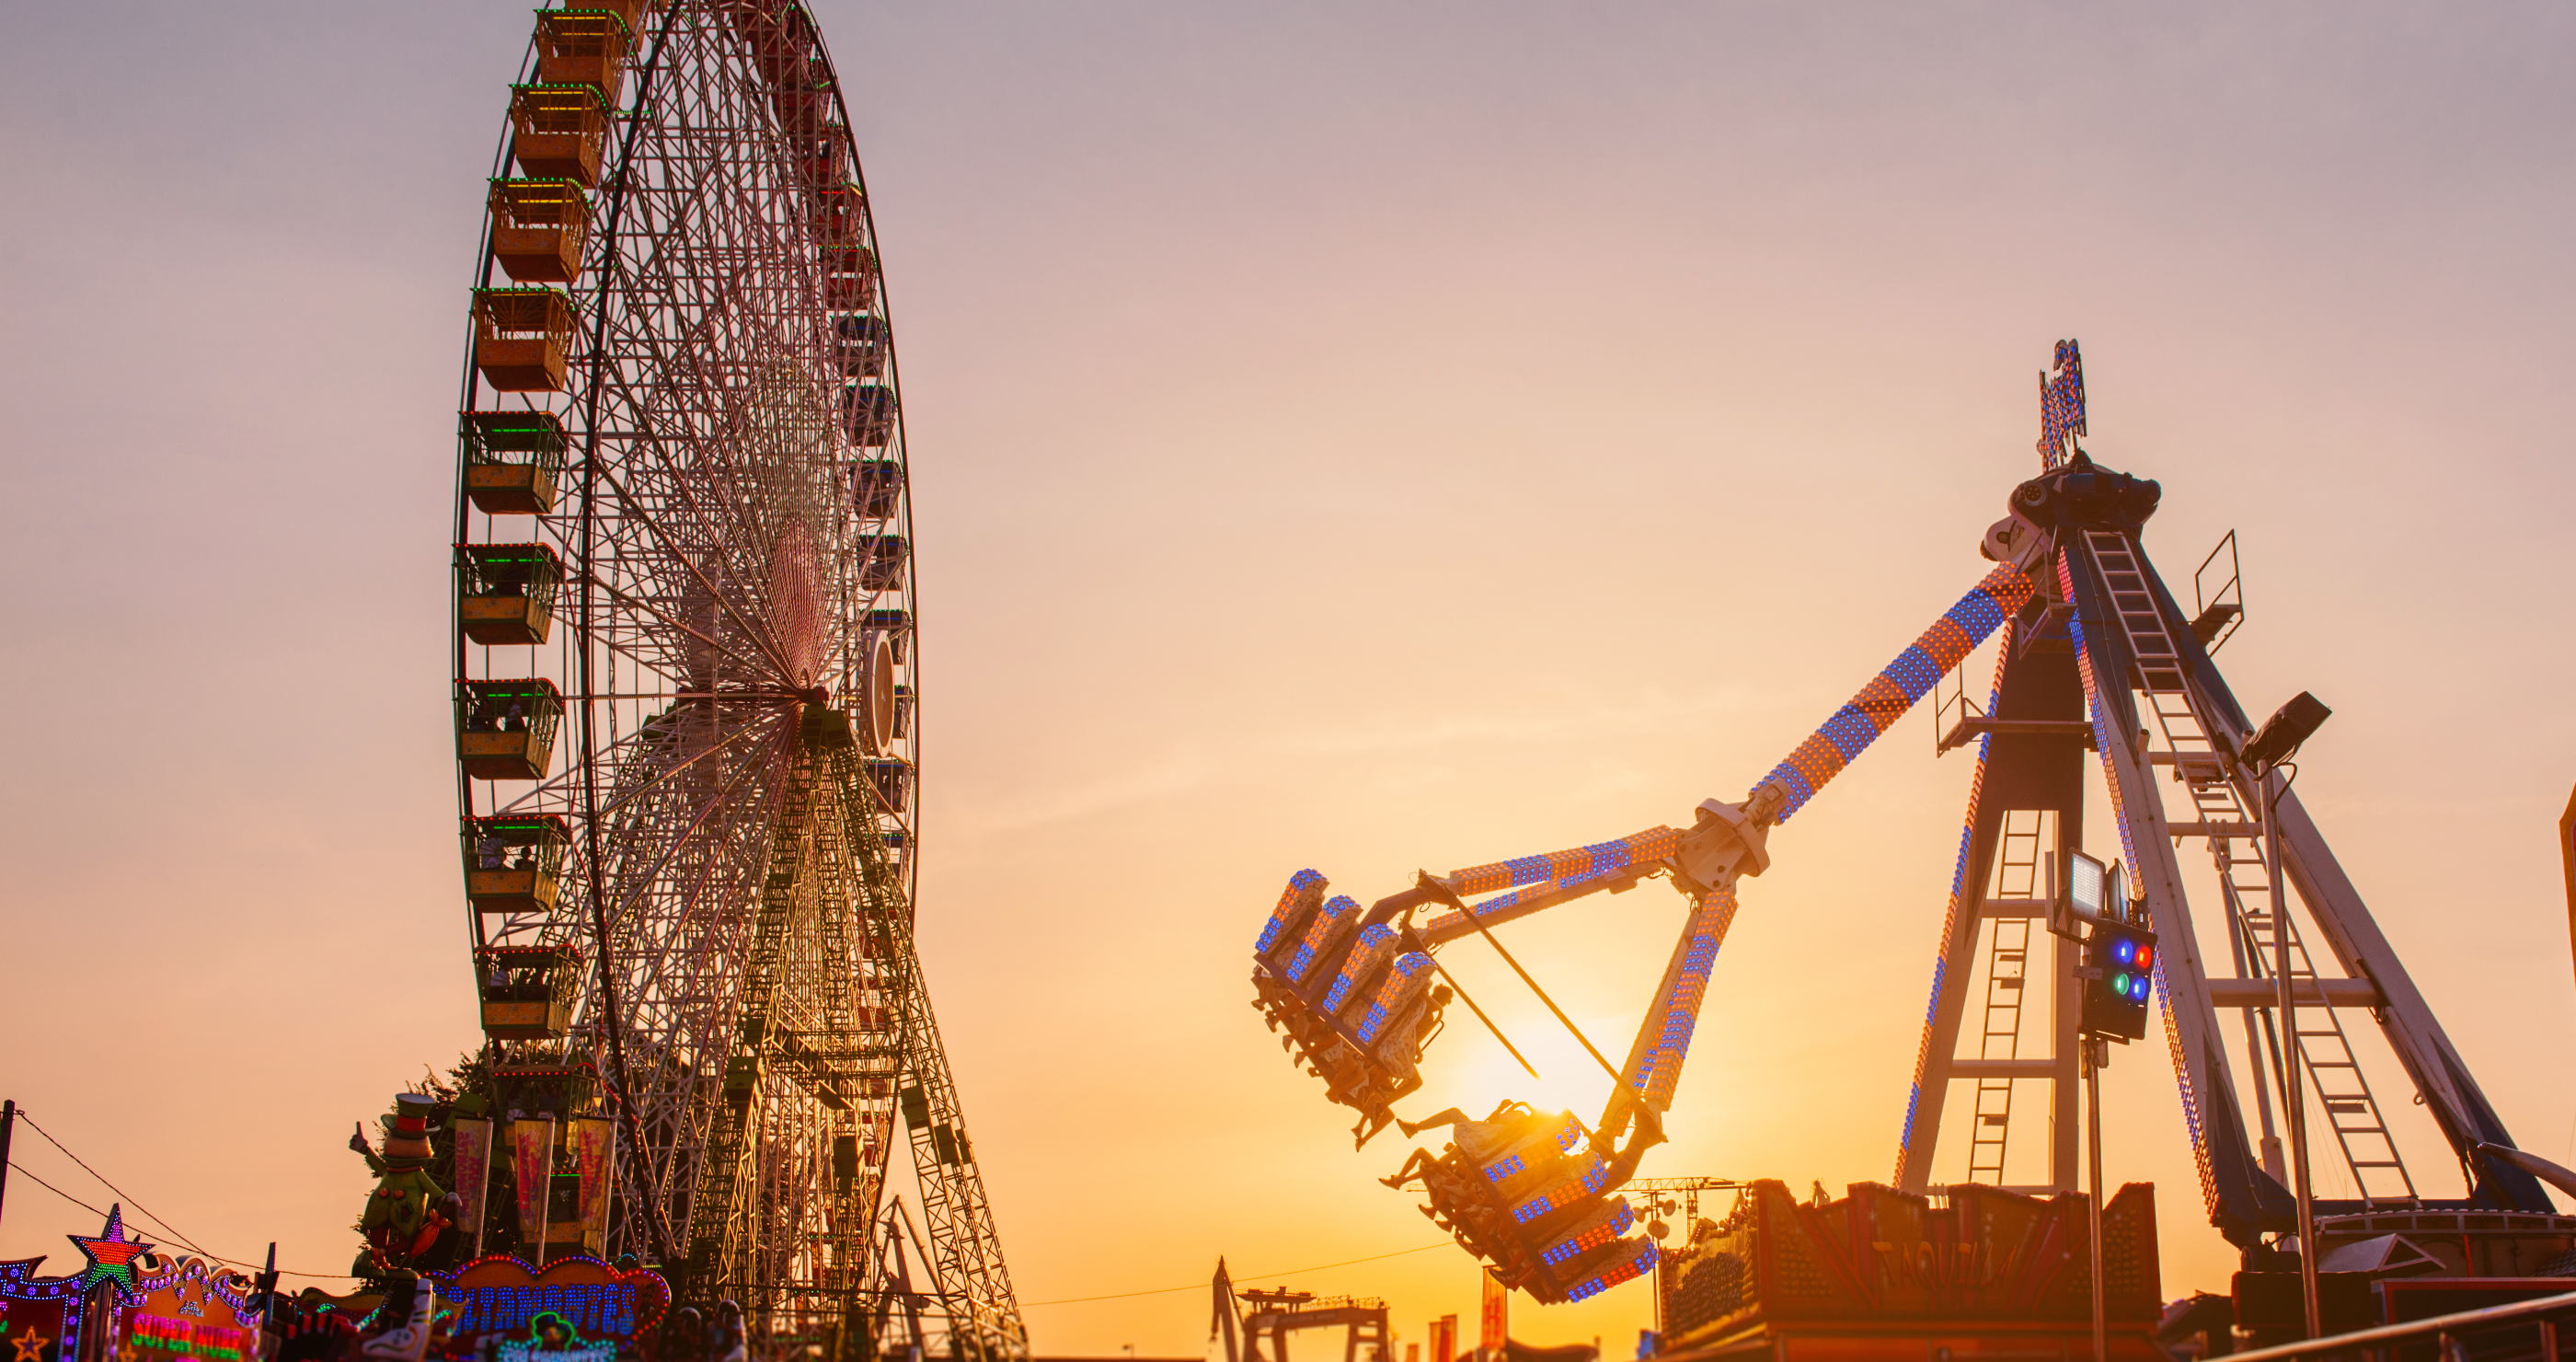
x=2103, y=665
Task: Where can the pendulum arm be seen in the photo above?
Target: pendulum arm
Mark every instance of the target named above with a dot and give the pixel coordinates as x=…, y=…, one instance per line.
x=1898, y=685
x=1654, y=1064
x=1321, y=962
x=1532, y=1193
x=1663, y=1037
x=1537, y=883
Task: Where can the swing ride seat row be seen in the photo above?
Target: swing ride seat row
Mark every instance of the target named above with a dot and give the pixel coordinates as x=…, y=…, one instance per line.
x=1535, y=1195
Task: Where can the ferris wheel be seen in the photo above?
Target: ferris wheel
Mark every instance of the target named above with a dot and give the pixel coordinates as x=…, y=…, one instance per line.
x=685, y=660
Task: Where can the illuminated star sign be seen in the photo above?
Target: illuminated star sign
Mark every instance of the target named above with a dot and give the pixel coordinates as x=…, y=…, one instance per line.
x=111, y=1255
x=30, y=1346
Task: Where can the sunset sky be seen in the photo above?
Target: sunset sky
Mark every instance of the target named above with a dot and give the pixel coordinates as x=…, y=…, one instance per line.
x=1345, y=435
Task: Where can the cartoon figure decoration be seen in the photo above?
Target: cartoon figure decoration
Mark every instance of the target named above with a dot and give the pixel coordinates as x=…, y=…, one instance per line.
x=407, y=1214
x=405, y=1322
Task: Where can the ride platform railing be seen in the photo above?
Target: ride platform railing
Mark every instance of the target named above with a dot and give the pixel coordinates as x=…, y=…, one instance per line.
x=2529, y=1329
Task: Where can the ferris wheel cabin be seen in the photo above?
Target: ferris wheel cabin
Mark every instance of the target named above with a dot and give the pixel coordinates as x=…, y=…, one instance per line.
x=515, y=865
x=505, y=593
x=527, y=990
x=522, y=338
x=505, y=730
x=539, y=228
x=584, y=47
x=881, y=558
x=838, y=216
x=512, y=459
x=875, y=487
x=559, y=131
x=849, y=277
x=860, y=345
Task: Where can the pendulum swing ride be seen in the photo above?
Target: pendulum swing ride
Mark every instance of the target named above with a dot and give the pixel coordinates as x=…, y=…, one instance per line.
x=2097, y=654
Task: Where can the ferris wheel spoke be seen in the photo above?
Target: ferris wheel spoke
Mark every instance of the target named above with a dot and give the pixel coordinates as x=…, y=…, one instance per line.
x=661, y=660
x=677, y=550
x=725, y=799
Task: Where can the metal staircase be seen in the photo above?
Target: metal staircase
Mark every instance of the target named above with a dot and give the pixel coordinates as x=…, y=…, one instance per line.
x=2326, y=1056
x=2221, y=815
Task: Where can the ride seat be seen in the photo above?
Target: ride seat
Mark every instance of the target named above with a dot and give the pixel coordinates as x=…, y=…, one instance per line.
x=1323, y=933
x=1377, y=946
x=1526, y=1191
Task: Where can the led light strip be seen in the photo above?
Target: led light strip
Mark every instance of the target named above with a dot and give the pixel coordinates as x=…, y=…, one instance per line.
x=1898, y=685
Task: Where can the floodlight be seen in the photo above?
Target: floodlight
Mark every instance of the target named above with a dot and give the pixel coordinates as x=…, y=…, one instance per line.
x=2288, y=727
x=2084, y=883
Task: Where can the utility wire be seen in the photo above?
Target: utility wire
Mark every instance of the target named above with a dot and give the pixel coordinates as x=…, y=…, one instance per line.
x=93, y=1210
x=228, y=1262
x=1248, y=1276
x=141, y=1213
x=121, y=1194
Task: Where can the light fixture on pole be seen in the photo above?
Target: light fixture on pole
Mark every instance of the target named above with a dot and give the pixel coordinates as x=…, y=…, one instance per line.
x=2119, y=963
x=2271, y=745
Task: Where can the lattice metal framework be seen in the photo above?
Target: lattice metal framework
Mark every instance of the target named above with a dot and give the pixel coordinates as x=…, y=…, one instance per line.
x=700, y=421
x=2108, y=660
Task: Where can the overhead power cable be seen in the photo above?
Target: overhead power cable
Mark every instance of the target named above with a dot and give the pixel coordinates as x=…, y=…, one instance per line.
x=121, y=1194
x=31, y=1177
x=1248, y=1276
x=228, y=1262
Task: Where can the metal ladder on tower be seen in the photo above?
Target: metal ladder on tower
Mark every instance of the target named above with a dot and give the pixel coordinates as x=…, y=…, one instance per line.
x=2007, y=954
x=2333, y=1069
x=2324, y=1051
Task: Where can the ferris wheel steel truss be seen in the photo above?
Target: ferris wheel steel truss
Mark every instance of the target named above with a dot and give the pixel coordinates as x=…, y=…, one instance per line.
x=730, y=860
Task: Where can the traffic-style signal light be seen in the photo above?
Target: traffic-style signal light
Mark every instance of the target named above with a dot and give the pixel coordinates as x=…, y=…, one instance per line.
x=2119, y=979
